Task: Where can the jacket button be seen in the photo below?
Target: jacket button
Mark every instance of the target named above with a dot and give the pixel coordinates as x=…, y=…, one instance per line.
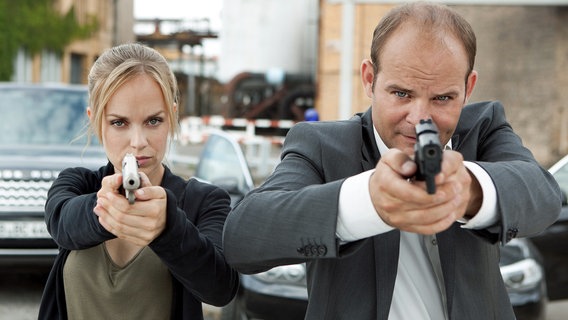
x=305, y=250
x=314, y=250
x=512, y=233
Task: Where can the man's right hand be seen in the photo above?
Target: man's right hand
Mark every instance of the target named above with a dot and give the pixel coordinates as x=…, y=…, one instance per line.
x=404, y=204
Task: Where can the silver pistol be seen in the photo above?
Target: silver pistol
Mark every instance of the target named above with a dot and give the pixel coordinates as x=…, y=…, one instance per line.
x=130, y=176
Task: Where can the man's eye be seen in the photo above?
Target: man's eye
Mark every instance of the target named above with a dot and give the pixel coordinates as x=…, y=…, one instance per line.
x=117, y=123
x=443, y=98
x=401, y=94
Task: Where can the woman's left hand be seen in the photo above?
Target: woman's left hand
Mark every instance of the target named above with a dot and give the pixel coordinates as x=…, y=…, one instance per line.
x=139, y=223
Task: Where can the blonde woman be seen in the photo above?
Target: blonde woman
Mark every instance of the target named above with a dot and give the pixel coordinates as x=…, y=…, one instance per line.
x=159, y=257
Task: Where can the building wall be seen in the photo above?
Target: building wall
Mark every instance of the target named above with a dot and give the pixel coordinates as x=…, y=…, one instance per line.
x=260, y=35
x=116, y=21
x=112, y=30
x=522, y=61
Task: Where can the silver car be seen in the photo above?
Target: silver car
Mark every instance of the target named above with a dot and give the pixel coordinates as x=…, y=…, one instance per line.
x=40, y=136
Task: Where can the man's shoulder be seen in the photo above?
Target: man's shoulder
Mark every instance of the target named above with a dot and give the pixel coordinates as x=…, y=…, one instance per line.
x=329, y=127
x=479, y=112
x=353, y=122
x=482, y=107
x=324, y=135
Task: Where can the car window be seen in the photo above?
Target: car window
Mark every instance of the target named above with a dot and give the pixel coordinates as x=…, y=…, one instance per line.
x=561, y=175
x=222, y=163
x=40, y=116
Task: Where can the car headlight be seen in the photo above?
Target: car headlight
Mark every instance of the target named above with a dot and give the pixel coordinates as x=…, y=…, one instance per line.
x=291, y=274
x=521, y=275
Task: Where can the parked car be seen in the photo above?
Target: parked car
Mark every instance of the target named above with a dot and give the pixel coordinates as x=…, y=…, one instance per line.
x=524, y=276
x=38, y=138
x=552, y=243
x=281, y=293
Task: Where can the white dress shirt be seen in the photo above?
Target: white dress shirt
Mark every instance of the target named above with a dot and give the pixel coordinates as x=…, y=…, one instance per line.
x=419, y=287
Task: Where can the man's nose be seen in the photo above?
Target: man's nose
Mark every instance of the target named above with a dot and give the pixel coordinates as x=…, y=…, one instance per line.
x=418, y=110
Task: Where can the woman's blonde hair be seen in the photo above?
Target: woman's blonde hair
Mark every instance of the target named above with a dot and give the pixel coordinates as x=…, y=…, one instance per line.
x=120, y=64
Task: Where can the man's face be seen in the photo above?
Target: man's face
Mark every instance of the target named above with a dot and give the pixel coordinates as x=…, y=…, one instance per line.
x=421, y=76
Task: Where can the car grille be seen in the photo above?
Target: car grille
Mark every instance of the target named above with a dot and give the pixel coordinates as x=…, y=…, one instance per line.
x=23, y=195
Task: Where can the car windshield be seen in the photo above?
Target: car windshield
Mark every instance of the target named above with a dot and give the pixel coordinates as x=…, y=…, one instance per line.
x=42, y=116
x=561, y=176
x=222, y=163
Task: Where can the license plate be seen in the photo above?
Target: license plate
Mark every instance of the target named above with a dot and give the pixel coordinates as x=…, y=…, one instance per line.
x=23, y=230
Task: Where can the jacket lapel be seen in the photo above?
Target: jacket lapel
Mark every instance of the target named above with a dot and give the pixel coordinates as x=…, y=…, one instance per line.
x=385, y=245
x=369, y=150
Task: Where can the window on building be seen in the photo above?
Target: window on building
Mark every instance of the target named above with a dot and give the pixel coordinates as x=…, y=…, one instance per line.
x=76, y=70
x=22, y=67
x=50, y=66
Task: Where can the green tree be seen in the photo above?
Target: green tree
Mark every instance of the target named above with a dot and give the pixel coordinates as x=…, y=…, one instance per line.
x=35, y=25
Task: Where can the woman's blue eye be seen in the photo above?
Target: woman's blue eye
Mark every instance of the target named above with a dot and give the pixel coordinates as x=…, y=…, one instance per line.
x=117, y=123
x=155, y=121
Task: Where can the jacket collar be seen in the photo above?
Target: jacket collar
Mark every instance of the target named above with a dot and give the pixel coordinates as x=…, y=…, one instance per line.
x=369, y=150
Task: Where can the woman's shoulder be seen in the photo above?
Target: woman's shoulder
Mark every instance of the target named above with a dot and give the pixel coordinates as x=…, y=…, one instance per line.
x=192, y=185
x=87, y=174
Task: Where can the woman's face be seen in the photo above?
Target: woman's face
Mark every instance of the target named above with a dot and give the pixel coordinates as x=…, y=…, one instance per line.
x=135, y=120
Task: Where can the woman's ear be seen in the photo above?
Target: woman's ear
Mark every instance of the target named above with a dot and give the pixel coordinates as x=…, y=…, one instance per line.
x=90, y=113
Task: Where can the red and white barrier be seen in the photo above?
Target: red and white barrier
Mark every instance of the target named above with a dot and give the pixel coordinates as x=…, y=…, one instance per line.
x=196, y=129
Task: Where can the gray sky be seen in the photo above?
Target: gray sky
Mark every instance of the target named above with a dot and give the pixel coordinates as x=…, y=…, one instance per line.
x=180, y=9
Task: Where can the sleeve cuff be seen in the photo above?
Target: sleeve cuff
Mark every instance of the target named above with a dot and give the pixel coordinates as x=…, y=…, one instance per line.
x=357, y=218
x=487, y=214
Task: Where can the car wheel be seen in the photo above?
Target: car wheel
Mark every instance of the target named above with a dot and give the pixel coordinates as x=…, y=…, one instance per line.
x=232, y=311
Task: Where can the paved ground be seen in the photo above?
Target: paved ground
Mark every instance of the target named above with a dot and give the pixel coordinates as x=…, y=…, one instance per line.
x=20, y=295
x=557, y=310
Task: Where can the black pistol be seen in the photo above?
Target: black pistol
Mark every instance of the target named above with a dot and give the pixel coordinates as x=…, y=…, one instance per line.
x=427, y=153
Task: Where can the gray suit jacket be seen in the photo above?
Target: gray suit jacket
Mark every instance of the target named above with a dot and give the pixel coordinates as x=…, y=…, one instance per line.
x=292, y=218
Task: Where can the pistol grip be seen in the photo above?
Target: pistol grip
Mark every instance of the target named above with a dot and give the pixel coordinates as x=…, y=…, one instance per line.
x=430, y=185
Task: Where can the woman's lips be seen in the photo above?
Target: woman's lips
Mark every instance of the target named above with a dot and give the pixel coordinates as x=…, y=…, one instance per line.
x=142, y=160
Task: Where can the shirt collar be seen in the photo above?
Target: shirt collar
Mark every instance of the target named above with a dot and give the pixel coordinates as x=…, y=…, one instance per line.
x=383, y=147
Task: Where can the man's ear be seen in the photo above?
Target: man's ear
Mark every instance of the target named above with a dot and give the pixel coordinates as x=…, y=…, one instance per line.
x=368, y=77
x=471, y=81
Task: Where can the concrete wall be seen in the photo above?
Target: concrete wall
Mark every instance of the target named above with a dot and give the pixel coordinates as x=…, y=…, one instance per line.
x=522, y=61
x=260, y=35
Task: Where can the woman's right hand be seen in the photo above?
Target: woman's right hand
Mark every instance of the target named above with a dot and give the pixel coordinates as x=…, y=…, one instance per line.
x=139, y=223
